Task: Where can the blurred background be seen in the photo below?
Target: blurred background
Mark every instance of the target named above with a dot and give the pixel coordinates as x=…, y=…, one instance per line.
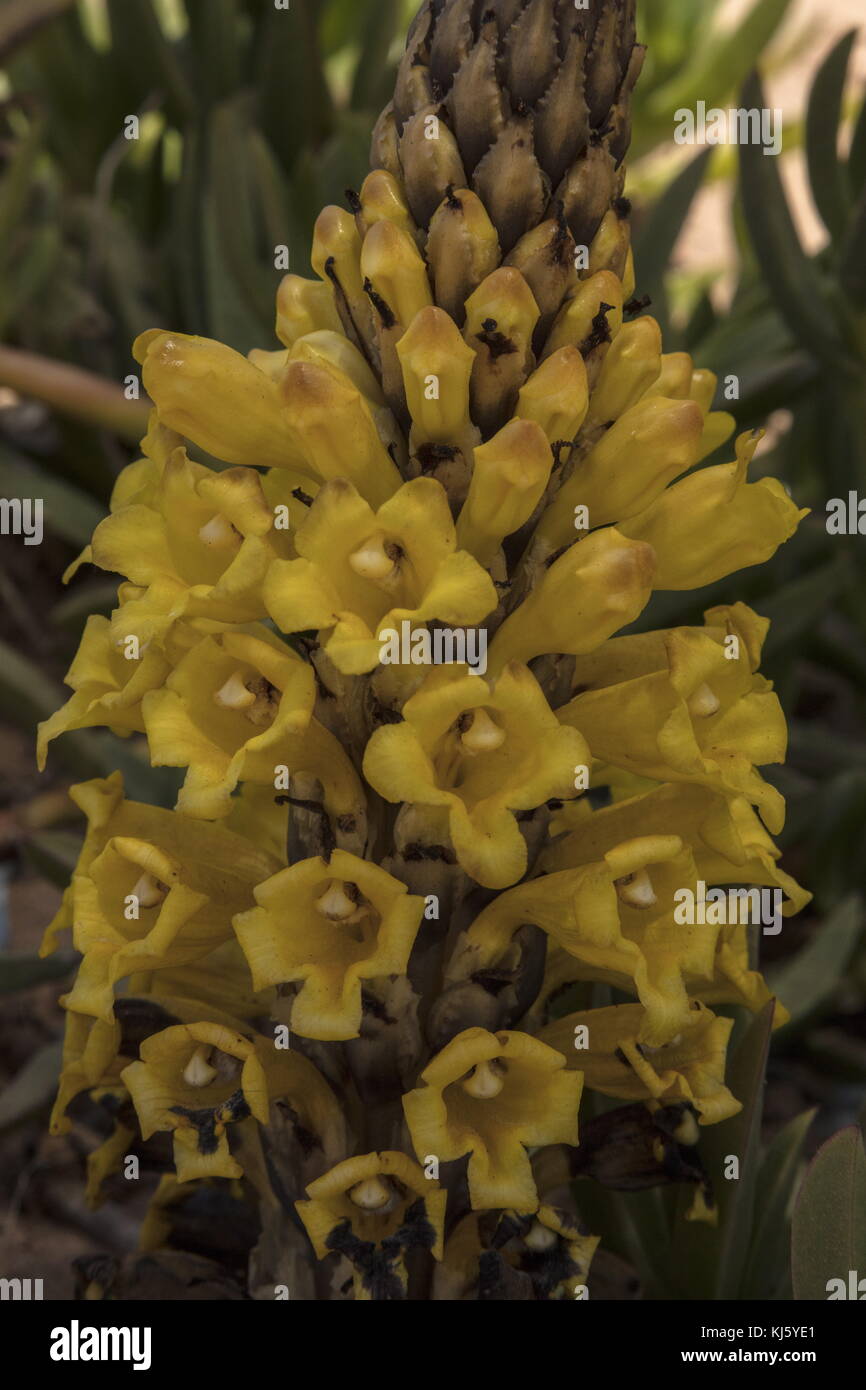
x=249, y=120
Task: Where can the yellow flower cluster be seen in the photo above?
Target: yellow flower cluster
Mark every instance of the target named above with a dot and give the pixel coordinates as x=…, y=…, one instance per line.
x=362, y=845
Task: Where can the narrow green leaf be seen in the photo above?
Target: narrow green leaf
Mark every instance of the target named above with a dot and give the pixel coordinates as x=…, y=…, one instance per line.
x=827, y=174
x=721, y=63
x=21, y=18
x=795, y=608
x=828, y=1236
x=777, y=1177
x=707, y=1261
x=54, y=854
x=33, y=1088
x=373, y=82
x=857, y=155
x=799, y=291
x=852, y=272
x=68, y=512
x=296, y=104
x=18, y=973
x=658, y=234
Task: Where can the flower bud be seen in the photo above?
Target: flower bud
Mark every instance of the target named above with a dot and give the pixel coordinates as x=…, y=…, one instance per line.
x=598, y=586
x=583, y=322
x=335, y=432
x=629, y=369
x=430, y=160
x=382, y=200
x=437, y=366
x=217, y=399
x=304, y=306
x=645, y=449
x=556, y=396
x=336, y=258
x=462, y=249
x=501, y=317
x=509, y=479
x=715, y=522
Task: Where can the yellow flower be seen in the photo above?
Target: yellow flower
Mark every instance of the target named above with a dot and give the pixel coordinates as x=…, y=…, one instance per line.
x=236, y=708
x=373, y=1209
x=109, y=685
x=196, y=1080
x=364, y=573
x=492, y=1096
x=604, y=1045
x=214, y=397
x=686, y=705
x=715, y=522
x=626, y=470
x=599, y=585
x=329, y=926
x=481, y=750
x=91, y=1059
x=509, y=479
x=550, y=1248
x=152, y=889
x=615, y=917
x=727, y=839
x=200, y=549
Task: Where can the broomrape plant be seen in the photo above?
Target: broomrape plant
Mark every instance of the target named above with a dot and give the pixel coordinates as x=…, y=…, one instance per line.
x=437, y=815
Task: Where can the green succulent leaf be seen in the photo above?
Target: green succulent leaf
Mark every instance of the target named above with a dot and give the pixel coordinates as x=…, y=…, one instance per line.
x=798, y=288
x=777, y=1178
x=33, y=1088
x=827, y=174
x=828, y=1236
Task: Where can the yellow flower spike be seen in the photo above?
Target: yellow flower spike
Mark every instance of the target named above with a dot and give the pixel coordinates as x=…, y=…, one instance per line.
x=611, y=246
x=335, y=430
x=382, y=200
x=172, y=1092
x=501, y=317
x=216, y=398
x=614, y=1062
x=225, y=712
x=556, y=396
x=679, y=709
x=462, y=250
x=536, y=1103
x=366, y=1201
x=437, y=366
x=393, y=265
x=592, y=319
x=329, y=926
x=336, y=258
x=436, y=758
x=304, y=307
x=630, y=368
x=630, y=466
x=364, y=573
x=716, y=522
x=598, y=586
x=509, y=479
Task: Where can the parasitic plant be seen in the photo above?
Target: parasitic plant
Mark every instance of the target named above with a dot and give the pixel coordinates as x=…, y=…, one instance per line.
x=425, y=891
